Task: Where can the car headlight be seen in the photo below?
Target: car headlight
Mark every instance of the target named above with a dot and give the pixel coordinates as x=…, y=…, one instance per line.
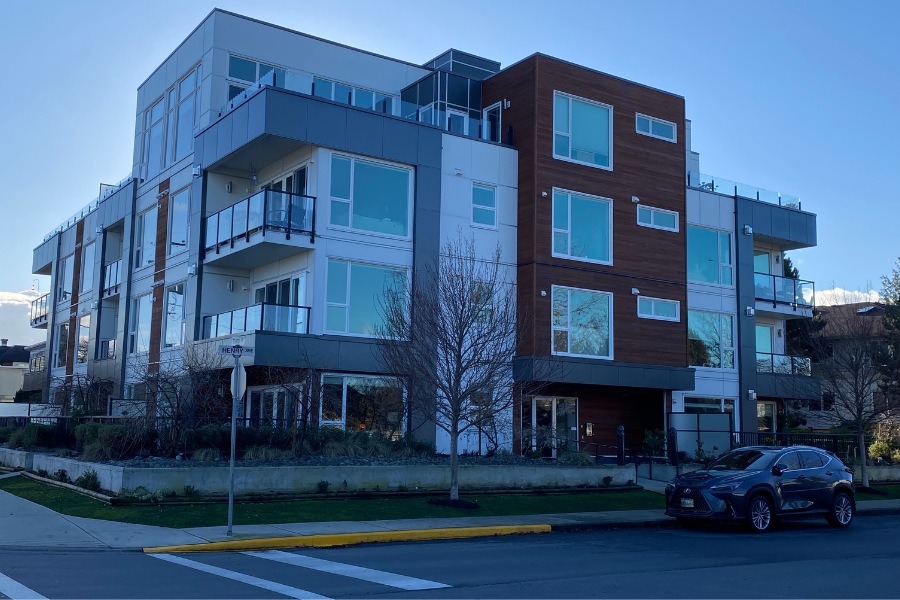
x=670, y=487
x=727, y=487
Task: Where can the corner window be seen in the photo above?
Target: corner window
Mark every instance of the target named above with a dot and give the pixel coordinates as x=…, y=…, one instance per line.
x=174, y=317
x=139, y=327
x=657, y=218
x=658, y=308
x=582, y=227
x=145, y=240
x=657, y=128
x=582, y=131
x=582, y=322
x=484, y=205
x=370, y=196
x=710, y=340
x=709, y=256
x=179, y=217
x=370, y=404
x=354, y=295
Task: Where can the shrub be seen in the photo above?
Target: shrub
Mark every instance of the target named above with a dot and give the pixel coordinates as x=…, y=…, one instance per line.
x=190, y=491
x=266, y=453
x=89, y=481
x=880, y=448
x=607, y=481
x=96, y=452
x=43, y=473
x=322, y=486
x=654, y=442
x=206, y=455
x=576, y=458
x=33, y=435
x=86, y=434
x=6, y=432
x=62, y=475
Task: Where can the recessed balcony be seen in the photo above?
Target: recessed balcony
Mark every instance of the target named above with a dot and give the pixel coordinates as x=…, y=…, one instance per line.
x=264, y=316
x=260, y=229
x=112, y=278
x=40, y=308
x=784, y=296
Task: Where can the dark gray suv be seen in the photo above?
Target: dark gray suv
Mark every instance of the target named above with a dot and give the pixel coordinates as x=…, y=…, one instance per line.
x=763, y=483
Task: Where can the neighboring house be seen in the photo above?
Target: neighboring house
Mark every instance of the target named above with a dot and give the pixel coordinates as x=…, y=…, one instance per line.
x=13, y=365
x=280, y=181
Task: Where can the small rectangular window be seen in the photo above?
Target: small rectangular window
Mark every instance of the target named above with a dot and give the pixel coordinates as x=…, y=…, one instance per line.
x=484, y=206
x=658, y=308
x=657, y=218
x=657, y=128
x=241, y=68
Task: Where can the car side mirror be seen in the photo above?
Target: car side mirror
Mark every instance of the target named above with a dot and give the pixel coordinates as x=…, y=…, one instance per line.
x=779, y=469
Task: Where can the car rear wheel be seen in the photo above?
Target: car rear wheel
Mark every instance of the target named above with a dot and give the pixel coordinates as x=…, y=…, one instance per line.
x=841, y=514
x=760, y=515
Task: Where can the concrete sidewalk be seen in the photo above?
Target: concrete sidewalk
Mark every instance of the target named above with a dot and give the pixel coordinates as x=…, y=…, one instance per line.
x=25, y=524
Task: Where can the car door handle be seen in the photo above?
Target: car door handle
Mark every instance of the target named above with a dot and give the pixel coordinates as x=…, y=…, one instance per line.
x=802, y=478
x=829, y=473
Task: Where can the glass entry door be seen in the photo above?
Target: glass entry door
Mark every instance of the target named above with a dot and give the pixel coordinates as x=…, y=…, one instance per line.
x=765, y=415
x=269, y=408
x=550, y=425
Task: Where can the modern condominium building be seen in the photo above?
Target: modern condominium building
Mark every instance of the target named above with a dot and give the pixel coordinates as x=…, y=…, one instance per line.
x=280, y=182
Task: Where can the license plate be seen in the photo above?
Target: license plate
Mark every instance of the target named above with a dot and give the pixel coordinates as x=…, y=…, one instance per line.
x=687, y=503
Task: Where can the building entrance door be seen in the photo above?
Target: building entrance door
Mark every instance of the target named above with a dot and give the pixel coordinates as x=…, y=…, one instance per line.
x=550, y=425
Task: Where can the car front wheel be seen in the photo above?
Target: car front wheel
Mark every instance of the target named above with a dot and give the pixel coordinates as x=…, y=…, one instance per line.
x=841, y=514
x=760, y=516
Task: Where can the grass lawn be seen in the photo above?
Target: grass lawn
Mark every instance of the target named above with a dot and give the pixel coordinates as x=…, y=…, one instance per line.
x=887, y=492
x=337, y=509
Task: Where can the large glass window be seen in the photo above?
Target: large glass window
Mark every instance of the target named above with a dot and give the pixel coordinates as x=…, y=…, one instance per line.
x=710, y=339
x=84, y=336
x=362, y=404
x=62, y=345
x=139, y=328
x=174, y=317
x=761, y=262
x=346, y=94
x=582, y=227
x=145, y=246
x=188, y=113
x=355, y=294
x=709, y=256
x=66, y=273
x=582, y=130
x=153, y=138
x=87, y=267
x=582, y=322
x=484, y=205
x=370, y=196
x=179, y=216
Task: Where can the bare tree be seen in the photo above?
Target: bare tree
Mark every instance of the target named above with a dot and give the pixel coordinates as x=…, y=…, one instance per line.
x=81, y=394
x=451, y=337
x=847, y=346
x=890, y=366
x=295, y=385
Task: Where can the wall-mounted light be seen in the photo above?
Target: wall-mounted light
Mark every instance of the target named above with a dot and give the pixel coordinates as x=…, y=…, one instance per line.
x=751, y=395
x=750, y=311
x=228, y=187
x=99, y=230
x=196, y=171
x=780, y=333
x=635, y=291
x=543, y=194
x=635, y=199
x=543, y=293
x=192, y=270
x=777, y=259
x=457, y=172
x=748, y=230
x=506, y=104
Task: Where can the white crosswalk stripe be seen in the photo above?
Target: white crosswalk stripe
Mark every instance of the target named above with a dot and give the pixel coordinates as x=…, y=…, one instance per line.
x=265, y=584
x=372, y=575
x=11, y=588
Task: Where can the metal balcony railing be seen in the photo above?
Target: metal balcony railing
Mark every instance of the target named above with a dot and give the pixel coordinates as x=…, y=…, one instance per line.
x=727, y=187
x=112, y=278
x=40, y=308
x=285, y=318
x=267, y=210
x=784, y=290
x=783, y=364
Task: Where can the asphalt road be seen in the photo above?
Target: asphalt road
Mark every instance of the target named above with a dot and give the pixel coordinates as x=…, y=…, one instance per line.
x=798, y=560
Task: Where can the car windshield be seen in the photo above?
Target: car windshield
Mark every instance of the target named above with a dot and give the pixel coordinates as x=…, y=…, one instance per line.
x=742, y=460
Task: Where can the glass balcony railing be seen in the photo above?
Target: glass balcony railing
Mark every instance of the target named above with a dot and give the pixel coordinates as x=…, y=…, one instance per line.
x=719, y=185
x=264, y=211
x=258, y=317
x=112, y=277
x=783, y=364
x=784, y=290
x=106, y=190
x=40, y=308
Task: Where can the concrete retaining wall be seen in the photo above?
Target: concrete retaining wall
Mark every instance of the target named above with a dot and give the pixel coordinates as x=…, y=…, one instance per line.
x=665, y=472
x=16, y=459
x=284, y=480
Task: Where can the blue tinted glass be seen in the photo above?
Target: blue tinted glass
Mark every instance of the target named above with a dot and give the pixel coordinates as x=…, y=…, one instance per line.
x=645, y=216
x=483, y=196
x=337, y=282
x=665, y=309
x=336, y=318
x=560, y=307
x=560, y=210
x=367, y=293
x=645, y=306
x=665, y=219
x=241, y=68
x=590, y=228
x=380, y=199
x=484, y=216
x=588, y=323
x=725, y=244
x=663, y=130
x=561, y=114
x=561, y=145
x=590, y=133
x=340, y=177
x=363, y=99
x=322, y=88
x=643, y=124
x=703, y=255
x=342, y=93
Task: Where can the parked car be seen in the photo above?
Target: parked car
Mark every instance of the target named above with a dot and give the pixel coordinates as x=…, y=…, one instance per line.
x=760, y=484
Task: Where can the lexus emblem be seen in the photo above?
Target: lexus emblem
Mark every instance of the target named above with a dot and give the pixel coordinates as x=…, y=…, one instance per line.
x=687, y=490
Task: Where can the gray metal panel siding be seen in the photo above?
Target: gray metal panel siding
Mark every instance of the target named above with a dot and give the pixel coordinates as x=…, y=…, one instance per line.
x=328, y=353
x=365, y=133
x=773, y=385
x=746, y=213
x=239, y=127
x=795, y=228
x=285, y=115
x=401, y=141
x=590, y=372
x=326, y=125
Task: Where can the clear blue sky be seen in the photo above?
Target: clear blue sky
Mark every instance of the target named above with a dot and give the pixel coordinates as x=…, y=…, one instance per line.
x=799, y=97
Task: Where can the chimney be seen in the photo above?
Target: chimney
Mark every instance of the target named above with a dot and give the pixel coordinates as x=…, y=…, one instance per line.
x=3, y=341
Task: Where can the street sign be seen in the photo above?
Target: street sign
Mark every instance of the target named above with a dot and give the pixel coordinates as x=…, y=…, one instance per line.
x=236, y=350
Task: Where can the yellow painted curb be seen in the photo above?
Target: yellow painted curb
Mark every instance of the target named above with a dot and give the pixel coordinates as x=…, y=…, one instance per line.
x=348, y=539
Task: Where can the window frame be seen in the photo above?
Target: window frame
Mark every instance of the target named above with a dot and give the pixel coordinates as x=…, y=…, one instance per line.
x=721, y=265
x=733, y=348
x=349, y=283
x=653, y=211
x=498, y=106
x=554, y=229
x=345, y=384
x=649, y=133
x=493, y=210
x=171, y=216
x=655, y=317
x=571, y=97
x=164, y=334
x=134, y=323
x=410, y=195
x=567, y=328
x=139, y=247
x=61, y=353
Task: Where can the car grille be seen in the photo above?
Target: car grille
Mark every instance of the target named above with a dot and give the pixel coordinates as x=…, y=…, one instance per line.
x=700, y=504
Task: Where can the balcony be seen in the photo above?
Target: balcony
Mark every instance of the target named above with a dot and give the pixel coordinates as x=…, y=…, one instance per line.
x=283, y=318
x=112, y=278
x=40, y=308
x=783, y=364
x=260, y=229
x=784, y=296
x=719, y=185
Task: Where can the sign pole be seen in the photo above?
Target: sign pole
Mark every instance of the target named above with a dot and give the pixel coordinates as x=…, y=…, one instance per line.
x=234, y=394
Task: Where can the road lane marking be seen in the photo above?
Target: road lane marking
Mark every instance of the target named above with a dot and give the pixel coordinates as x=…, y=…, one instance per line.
x=265, y=584
x=372, y=575
x=11, y=588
